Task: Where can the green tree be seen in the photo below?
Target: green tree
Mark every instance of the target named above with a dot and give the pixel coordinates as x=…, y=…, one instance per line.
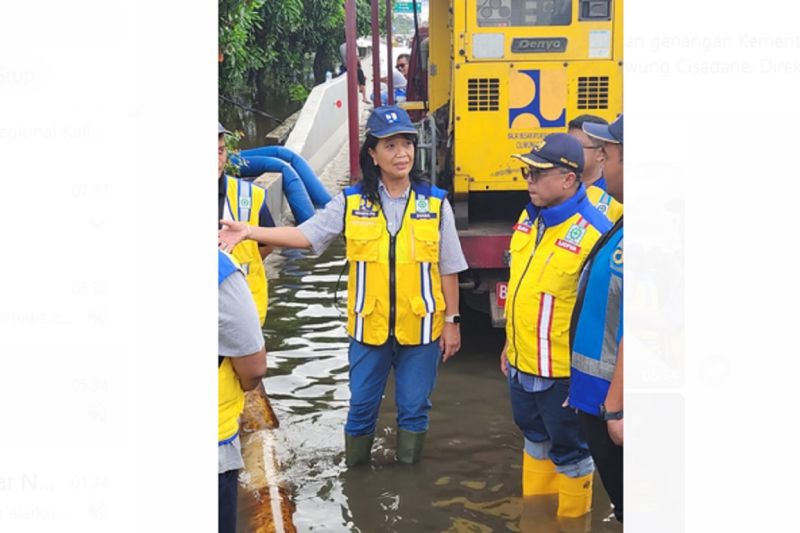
x=269, y=44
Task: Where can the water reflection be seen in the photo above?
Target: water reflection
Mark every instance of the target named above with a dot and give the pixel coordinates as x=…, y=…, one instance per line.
x=469, y=477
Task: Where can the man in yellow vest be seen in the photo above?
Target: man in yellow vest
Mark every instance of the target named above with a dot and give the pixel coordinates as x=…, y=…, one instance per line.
x=246, y=202
x=552, y=238
x=241, y=365
x=594, y=159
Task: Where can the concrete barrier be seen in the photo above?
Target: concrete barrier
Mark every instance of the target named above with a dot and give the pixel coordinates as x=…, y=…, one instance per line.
x=321, y=129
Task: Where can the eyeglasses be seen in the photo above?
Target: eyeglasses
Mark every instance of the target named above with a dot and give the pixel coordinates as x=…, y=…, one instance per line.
x=401, y=66
x=534, y=174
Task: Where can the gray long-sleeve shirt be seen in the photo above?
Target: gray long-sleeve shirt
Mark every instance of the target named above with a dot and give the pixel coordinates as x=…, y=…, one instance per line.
x=327, y=224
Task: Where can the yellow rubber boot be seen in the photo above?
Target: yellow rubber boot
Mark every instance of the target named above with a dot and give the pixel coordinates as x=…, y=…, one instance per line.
x=538, y=476
x=574, y=495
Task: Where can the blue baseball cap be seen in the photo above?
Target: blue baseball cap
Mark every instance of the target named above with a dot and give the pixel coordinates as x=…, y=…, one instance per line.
x=389, y=120
x=611, y=133
x=556, y=150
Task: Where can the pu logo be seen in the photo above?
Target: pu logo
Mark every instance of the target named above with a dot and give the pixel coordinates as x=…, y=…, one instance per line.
x=391, y=117
x=365, y=204
x=537, y=99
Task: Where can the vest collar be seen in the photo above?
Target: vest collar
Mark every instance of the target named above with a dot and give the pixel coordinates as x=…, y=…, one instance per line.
x=601, y=183
x=556, y=214
x=383, y=190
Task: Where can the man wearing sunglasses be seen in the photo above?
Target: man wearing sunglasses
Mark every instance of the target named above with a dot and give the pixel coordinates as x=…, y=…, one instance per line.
x=594, y=156
x=551, y=239
x=402, y=64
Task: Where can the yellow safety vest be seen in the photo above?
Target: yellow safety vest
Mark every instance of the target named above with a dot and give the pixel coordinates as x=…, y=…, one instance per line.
x=604, y=202
x=394, y=287
x=543, y=283
x=231, y=395
x=243, y=203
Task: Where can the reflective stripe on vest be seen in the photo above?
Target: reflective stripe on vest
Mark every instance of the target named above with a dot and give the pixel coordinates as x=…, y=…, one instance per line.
x=231, y=395
x=604, y=203
x=243, y=203
x=419, y=303
x=542, y=291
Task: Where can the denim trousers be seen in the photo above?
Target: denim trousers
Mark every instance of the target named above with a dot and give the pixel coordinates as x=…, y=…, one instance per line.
x=415, y=370
x=542, y=419
x=228, y=487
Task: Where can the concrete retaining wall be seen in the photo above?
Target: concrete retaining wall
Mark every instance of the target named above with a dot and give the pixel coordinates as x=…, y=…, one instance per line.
x=321, y=129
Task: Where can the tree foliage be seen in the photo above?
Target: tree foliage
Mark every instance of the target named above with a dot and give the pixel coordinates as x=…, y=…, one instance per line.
x=272, y=43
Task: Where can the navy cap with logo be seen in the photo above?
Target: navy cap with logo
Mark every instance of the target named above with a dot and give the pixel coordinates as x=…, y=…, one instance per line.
x=389, y=120
x=222, y=129
x=556, y=150
x=611, y=133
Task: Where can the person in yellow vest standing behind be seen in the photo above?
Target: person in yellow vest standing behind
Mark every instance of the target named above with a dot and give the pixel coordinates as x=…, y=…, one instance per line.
x=244, y=201
x=241, y=365
x=594, y=158
x=404, y=258
x=551, y=239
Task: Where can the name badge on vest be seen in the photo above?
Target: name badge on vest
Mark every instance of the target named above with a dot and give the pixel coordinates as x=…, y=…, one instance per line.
x=422, y=209
x=524, y=227
x=575, y=249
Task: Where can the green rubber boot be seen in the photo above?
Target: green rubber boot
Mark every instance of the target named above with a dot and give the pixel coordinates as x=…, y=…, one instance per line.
x=357, y=449
x=409, y=446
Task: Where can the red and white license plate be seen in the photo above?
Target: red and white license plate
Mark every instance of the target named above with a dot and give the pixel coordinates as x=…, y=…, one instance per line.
x=501, y=290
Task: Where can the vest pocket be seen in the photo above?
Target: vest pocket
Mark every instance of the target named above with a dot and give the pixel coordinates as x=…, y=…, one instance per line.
x=560, y=277
x=363, y=242
x=420, y=308
x=366, y=308
x=519, y=240
x=425, y=241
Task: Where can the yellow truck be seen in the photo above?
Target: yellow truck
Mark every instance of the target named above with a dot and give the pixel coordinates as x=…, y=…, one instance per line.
x=489, y=78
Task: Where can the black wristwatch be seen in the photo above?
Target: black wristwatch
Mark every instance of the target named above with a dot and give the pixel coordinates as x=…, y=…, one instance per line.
x=453, y=319
x=609, y=415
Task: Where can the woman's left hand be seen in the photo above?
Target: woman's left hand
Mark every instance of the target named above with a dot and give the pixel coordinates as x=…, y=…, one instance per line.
x=450, y=341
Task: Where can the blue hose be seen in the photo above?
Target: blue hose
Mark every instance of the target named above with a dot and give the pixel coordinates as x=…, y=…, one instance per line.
x=293, y=187
x=316, y=190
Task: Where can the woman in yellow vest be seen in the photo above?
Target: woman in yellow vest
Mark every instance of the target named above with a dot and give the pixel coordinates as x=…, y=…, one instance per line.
x=404, y=257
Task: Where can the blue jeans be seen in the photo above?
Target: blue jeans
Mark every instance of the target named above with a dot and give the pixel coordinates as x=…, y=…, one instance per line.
x=228, y=484
x=542, y=420
x=414, y=374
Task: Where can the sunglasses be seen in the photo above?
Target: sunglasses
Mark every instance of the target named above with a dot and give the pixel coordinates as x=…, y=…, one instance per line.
x=401, y=66
x=534, y=175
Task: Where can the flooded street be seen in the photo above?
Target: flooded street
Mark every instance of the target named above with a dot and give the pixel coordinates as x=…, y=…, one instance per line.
x=469, y=478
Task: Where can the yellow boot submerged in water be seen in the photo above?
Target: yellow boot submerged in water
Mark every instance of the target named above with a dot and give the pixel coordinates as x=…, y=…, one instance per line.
x=539, y=476
x=574, y=495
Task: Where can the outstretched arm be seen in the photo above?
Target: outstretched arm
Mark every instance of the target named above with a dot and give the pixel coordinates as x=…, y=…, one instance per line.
x=232, y=233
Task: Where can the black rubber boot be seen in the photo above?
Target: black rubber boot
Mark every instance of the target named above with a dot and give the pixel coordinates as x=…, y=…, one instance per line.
x=409, y=446
x=357, y=449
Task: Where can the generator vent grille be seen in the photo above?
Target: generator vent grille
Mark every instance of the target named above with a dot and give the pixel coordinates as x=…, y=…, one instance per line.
x=483, y=94
x=593, y=92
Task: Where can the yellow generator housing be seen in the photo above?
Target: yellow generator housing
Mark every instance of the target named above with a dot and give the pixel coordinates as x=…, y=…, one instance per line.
x=514, y=71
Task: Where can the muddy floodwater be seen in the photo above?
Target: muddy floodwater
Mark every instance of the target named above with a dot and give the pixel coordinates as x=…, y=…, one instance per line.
x=469, y=477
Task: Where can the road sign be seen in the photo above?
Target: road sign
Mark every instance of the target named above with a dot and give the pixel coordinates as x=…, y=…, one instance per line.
x=406, y=6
